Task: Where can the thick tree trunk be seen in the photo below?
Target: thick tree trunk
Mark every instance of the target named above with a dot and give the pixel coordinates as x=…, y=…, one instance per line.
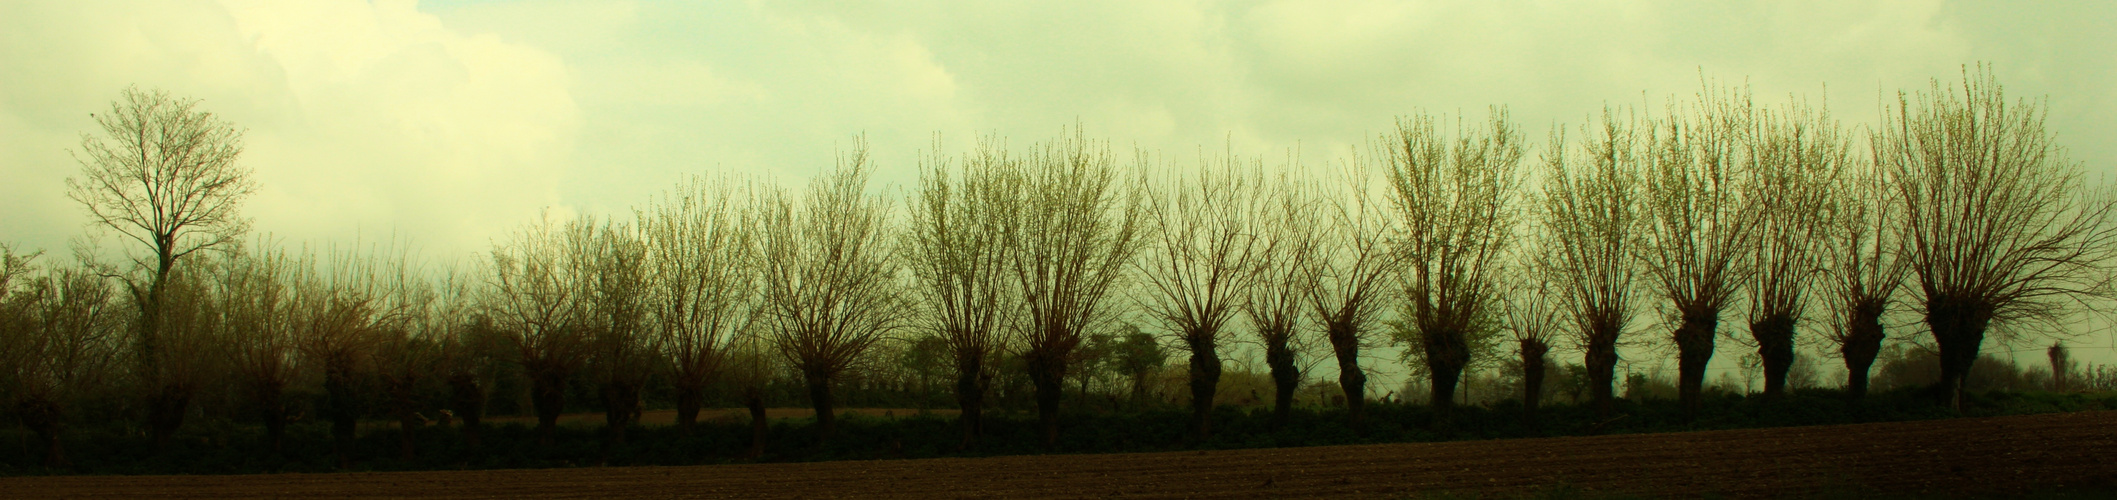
x=468, y=398
x=1047, y=370
x=1447, y=352
x=1958, y=327
x=1533, y=352
x=1346, y=346
x=344, y=410
x=820, y=398
x=690, y=396
x=619, y=401
x=408, y=418
x=970, y=397
x=1775, y=346
x=1863, y=343
x=1601, y=358
x=1205, y=382
x=547, y=393
x=760, y=428
x=45, y=418
x=1694, y=351
x=1286, y=376
x=165, y=412
x=272, y=410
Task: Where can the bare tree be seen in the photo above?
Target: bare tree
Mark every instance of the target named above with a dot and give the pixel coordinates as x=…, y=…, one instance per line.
x=1591, y=211
x=58, y=328
x=1201, y=265
x=2061, y=366
x=340, y=306
x=1701, y=222
x=702, y=260
x=163, y=174
x=1348, y=279
x=1800, y=154
x=1456, y=202
x=537, y=298
x=1074, y=231
x=830, y=289
x=428, y=313
x=2000, y=227
x=956, y=250
x=1864, y=266
x=618, y=316
x=256, y=302
x=1277, y=301
x=1533, y=319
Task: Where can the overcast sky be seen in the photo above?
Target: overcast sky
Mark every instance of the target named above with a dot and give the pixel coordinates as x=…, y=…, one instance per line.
x=451, y=123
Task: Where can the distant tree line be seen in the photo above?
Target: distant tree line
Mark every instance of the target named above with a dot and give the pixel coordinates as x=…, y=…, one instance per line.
x=1012, y=279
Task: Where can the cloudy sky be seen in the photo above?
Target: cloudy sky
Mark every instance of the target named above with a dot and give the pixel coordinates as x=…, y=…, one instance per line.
x=449, y=123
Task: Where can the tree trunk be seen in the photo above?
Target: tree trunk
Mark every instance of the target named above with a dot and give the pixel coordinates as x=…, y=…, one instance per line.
x=690, y=396
x=165, y=412
x=469, y=401
x=1958, y=327
x=1346, y=346
x=820, y=398
x=1863, y=343
x=408, y=418
x=45, y=417
x=1775, y=346
x=619, y=401
x=547, y=392
x=1205, y=381
x=1533, y=352
x=970, y=397
x=1286, y=375
x=1601, y=359
x=1047, y=370
x=272, y=410
x=344, y=409
x=760, y=428
x=1694, y=351
x=1447, y=352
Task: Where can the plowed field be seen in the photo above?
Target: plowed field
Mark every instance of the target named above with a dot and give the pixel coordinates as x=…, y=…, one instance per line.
x=1962, y=456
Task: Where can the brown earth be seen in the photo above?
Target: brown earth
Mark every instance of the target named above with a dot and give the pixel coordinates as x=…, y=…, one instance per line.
x=2000, y=455
x=668, y=417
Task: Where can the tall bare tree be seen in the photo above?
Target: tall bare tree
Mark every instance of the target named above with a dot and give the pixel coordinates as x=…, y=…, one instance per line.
x=1074, y=231
x=1864, y=264
x=538, y=299
x=1278, y=300
x=163, y=174
x=1800, y=156
x=702, y=258
x=830, y=279
x=1456, y=200
x=1349, y=278
x=1591, y=211
x=2000, y=227
x=957, y=251
x=1701, y=221
x=1200, y=265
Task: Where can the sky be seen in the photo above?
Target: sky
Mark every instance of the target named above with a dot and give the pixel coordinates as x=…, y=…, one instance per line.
x=448, y=124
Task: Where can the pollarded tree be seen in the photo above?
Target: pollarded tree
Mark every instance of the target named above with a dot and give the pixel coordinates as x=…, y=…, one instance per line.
x=1800, y=155
x=163, y=174
x=427, y=314
x=1203, y=259
x=340, y=307
x=1533, y=319
x=255, y=295
x=1864, y=263
x=703, y=261
x=538, y=298
x=830, y=280
x=1348, y=278
x=1073, y=232
x=1591, y=213
x=1277, y=301
x=1999, y=226
x=1701, y=220
x=1455, y=199
x=617, y=322
x=956, y=250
